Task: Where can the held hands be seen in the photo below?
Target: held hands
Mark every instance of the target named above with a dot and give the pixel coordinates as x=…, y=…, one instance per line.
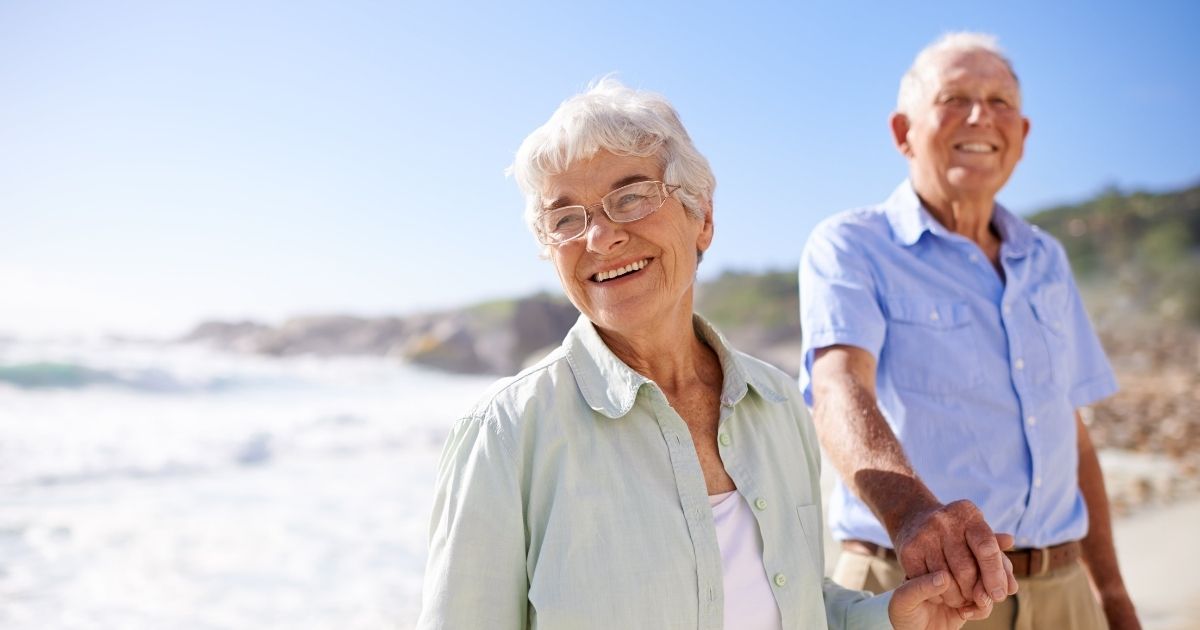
x=954, y=538
x=914, y=607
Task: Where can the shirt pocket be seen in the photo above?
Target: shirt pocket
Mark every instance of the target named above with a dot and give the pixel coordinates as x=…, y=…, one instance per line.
x=1049, y=302
x=930, y=346
x=814, y=537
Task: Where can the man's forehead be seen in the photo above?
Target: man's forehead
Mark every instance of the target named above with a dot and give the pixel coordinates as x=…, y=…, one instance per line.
x=959, y=66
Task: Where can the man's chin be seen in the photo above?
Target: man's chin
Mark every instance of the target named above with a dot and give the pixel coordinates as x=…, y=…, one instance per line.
x=976, y=182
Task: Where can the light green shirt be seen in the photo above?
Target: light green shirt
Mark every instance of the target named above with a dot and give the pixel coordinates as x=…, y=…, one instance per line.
x=571, y=497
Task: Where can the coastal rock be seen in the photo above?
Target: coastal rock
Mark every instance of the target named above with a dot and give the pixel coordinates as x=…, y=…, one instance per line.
x=232, y=336
x=447, y=345
x=490, y=338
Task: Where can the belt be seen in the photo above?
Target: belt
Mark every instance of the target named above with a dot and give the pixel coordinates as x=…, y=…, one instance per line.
x=1026, y=562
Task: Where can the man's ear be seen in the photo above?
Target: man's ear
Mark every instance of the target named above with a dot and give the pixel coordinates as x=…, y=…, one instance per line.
x=900, y=126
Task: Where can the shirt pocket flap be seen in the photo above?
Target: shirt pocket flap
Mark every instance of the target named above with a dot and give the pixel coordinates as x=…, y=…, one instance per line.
x=1049, y=303
x=927, y=312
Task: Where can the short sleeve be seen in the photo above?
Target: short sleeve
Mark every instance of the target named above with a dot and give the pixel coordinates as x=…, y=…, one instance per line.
x=1091, y=377
x=476, y=573
x=839, y=303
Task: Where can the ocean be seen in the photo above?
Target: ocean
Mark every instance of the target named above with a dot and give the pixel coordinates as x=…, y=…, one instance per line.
x=148, y=486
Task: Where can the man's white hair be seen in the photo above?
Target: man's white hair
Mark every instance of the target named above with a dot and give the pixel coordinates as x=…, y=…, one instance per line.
x=915, y=81
x=612, y=117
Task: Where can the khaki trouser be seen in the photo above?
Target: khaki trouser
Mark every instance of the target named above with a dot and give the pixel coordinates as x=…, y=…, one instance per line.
x=1059, y=600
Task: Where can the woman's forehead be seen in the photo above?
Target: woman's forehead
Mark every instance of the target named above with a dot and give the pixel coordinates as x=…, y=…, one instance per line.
x=597, y=175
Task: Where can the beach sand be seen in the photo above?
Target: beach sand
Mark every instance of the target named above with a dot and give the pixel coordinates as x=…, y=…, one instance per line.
x=1160, y=555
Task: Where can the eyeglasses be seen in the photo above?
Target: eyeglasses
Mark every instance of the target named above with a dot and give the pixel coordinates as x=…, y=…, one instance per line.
x=623, y=205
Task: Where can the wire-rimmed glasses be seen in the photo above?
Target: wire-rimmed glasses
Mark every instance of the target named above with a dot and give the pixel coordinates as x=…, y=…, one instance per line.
x=638, y=200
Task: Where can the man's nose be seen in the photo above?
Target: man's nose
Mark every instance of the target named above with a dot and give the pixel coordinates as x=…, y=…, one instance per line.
x=980, y=113
x=603, y=234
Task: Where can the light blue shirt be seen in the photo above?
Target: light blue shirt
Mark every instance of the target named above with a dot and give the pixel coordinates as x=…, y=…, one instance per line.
x=571, y=497
x=978, y=376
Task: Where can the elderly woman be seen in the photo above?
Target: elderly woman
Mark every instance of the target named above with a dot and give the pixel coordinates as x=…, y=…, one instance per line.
x=644, y=474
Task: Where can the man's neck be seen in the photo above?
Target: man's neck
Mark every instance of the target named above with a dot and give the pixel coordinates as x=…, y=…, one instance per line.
x=969, y=217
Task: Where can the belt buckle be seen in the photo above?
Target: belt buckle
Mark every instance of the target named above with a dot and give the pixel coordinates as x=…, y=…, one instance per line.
x=1044, y=565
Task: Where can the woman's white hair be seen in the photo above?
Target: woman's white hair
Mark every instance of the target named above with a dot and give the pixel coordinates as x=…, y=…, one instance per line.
x=612, y=117
x=915, y=81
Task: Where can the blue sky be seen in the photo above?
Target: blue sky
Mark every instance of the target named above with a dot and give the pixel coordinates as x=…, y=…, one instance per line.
x=163, y=163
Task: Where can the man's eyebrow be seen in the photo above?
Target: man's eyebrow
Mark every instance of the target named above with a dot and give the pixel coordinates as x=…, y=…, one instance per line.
x=565, y=200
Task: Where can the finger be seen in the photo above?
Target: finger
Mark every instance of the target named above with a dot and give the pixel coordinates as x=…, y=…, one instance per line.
x=990, y=560
x=1006, y=541
x=961, y=562
x=1012, y=579
x=973, y=612
x=935, y=562
x=982, y=612
x=916, y=591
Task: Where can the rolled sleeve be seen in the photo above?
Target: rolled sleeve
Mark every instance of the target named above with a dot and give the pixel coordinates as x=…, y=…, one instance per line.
x=476, y=574
x=839, y=303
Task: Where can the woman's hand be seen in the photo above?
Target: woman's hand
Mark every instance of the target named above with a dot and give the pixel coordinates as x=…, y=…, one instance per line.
x=916, y=605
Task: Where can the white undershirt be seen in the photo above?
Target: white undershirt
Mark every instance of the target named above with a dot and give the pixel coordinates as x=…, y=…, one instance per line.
x=749, y=600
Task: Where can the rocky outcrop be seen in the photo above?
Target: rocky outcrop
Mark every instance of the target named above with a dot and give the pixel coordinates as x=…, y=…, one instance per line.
x=490, y=338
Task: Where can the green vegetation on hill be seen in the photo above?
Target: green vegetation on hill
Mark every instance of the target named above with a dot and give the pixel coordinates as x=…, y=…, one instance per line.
x=766, y=300
x=1142, y=248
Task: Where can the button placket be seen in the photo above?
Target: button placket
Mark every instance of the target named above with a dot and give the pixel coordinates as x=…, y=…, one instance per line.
x=689, y=482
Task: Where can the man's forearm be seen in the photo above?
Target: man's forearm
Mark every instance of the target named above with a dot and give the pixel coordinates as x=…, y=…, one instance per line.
x=1099, y=553
x=867, y=453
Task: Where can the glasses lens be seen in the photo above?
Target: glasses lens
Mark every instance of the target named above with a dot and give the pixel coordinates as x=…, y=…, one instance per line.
x=562, y=224
x=632, y=202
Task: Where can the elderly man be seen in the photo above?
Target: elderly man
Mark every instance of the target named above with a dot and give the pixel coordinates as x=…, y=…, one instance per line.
x=946, y=355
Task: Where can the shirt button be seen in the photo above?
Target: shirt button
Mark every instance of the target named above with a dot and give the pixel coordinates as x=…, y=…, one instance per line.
x=934, y=316
x=760, y=503
x=973, y=258
x=1019, y=364
x=1007, y=310
x=1037, y=483
x=780, y=579
x=725, y=440
x=1031, y=420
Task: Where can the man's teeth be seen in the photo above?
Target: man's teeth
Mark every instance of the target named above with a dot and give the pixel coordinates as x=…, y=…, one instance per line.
x=976, y=147
x=609, y=275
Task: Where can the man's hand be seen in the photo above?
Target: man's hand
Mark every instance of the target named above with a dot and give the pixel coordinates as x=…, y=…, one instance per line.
x=956, y=539
x=915, y=605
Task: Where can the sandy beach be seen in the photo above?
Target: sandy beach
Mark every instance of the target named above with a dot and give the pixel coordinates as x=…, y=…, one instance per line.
x=1158, y=552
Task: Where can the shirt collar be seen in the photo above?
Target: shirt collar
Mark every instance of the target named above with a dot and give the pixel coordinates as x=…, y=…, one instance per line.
x=1016, y=236
x=910, y=219
x=610, y=387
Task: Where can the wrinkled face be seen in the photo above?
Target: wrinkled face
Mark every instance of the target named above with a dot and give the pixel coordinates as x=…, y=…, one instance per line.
x=966, y=134
x=627, y=278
